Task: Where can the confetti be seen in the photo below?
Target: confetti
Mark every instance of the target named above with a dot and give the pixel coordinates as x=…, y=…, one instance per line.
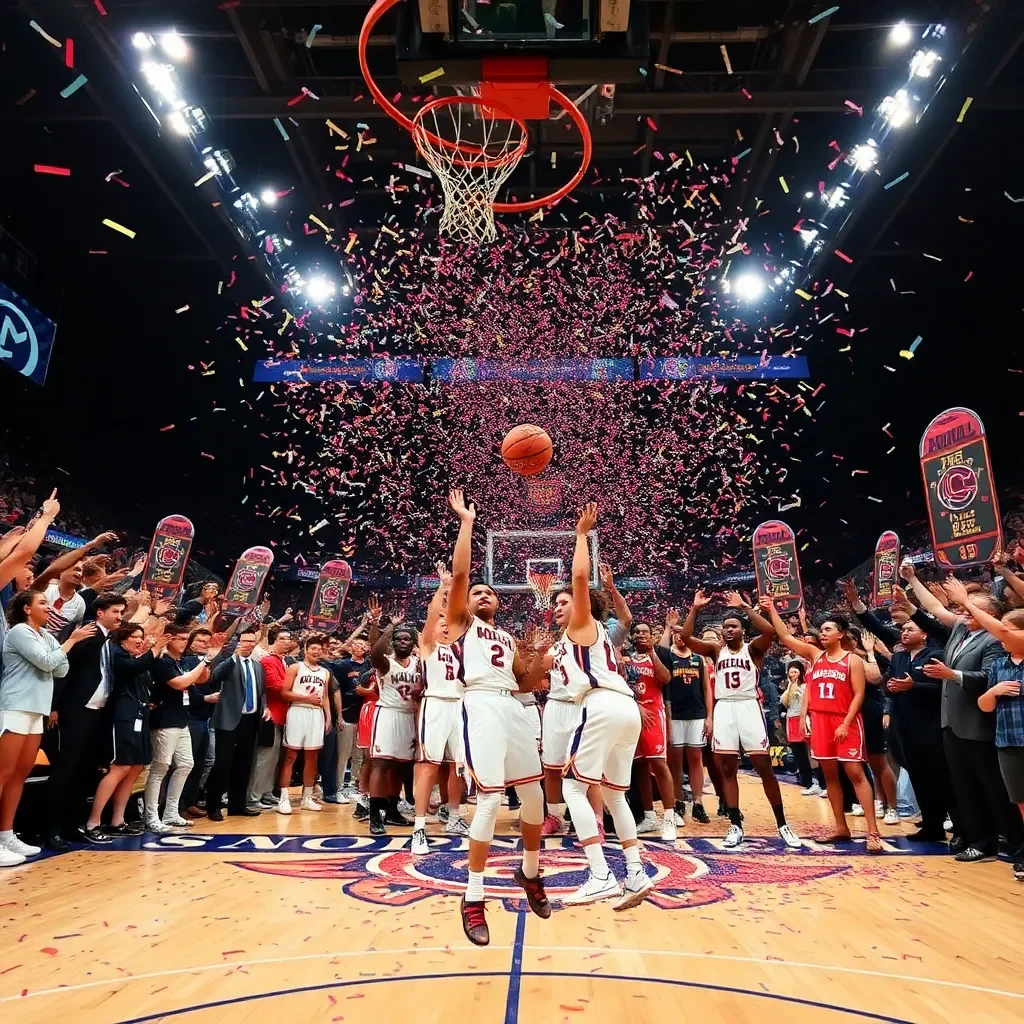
x=46, y=35
x=312, y=35
x=63, y=172
x=182, y=309
x=782, y=182
x=963, y=110
x=843, y=256
x=895, y=181
x=118, y=227
x=822, y=15
x=69, y=53
x=725, y=59
x=70, y=90
x=665, y=67
x=281, y=129
x=908, y=353
x=431, y=75
x=205, y=178
x=803, y=295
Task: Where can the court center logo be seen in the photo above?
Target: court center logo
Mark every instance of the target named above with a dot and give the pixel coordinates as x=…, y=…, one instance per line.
x=957, y=488
x=683, y=880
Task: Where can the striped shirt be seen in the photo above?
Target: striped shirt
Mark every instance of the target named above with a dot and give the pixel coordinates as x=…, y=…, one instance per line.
x=63, y=613
x=1009, y=710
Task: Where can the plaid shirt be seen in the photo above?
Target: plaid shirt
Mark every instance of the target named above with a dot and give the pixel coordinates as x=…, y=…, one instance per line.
x=1009, y=710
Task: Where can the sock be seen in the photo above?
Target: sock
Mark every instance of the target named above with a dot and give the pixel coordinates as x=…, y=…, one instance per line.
x=595, y=858
x=780, y=814
x=419, y=823
x=454, y=809
x=556, y=809
x=475, y=887
x=734, y=816
x=7, y=834
x=632, y=856
x=531, y=865
x=378, y=807
x=307, y=792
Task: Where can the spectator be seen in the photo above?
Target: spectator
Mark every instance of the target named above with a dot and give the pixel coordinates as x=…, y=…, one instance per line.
x=792, y=700
x=351, y=672
x=31, y=659
x=268, y=752
x=202, y=698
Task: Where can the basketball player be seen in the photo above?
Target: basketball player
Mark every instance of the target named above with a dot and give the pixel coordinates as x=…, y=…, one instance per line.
x=439, y=722
x=393, y=738
x=833, y=698
x=605, y=741
x=689, y=697
x=737, y=719
x=498, y=732
x=306, y=692
x=652, y=676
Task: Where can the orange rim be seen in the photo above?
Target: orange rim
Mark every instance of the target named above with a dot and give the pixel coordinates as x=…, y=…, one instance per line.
x=376, y=12
x=512, y=156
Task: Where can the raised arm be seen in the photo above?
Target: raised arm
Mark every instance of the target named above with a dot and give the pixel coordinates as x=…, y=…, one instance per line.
x=761, y=643
x=582, y=629
x=18, y=551
x=379, y=651
x=70, y=558
x=925, y=598
x=462, y=560
x=700, y=601
x=1012, y=639
x=807, y=651
x=428, y=639
x=619, y=606
x=1013, y=581
x=866, y=617
x=186, y=679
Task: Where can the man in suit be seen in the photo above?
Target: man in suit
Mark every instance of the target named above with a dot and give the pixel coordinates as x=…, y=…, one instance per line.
x=982, y=811
x=78, y=702
x=241, y=706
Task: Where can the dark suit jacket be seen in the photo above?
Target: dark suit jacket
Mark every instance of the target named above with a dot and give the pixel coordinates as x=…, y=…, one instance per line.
x=960, y=711
x=226, y=676
x=78, y=686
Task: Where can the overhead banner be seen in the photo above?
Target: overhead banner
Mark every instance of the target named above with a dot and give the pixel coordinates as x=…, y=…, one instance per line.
x=345, y=371
x=776, y=566
x=65, y=540
x=753, y=368
x=887, y=561
x=962, y=508
x=26, y=336
x=472, y=371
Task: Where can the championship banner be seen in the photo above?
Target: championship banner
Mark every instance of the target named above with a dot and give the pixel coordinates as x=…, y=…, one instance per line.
x=963, y=511
x=164, y=571
x=769, y=368
x=345, y=371
x=247, y=580
x=329, y=596
x=887, y=560
x=776, y=567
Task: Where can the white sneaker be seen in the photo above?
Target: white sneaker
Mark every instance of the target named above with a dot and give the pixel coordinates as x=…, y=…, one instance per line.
x=457, y=826
x=668, y=829
x=891, y=817
x=157, y=827
x=284, y=804
x=10, y=859
x=812, y=790
x=318, y=792
x=678, y=819
x=364, y=801
x=790, y=838
x=857, y=811
x=635, y=891
x=879, y=808
x=648, y=825
x=823, y=793
x=419, y=842
x=947, y=825
x=177, y=822
x=733, y=837
x=549, y=19
x=404, y=807
x=23, y=850
x=594, y=889
x=309, y=804
x=341, y=798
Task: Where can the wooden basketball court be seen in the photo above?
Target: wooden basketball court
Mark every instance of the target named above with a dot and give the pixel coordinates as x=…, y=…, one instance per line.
x=308, y=919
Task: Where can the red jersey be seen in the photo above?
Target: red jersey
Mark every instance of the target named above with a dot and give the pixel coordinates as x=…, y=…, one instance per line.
x=648, y=689
x=829, y=688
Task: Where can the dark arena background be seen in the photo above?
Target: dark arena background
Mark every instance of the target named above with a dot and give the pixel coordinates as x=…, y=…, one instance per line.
x=226, y=294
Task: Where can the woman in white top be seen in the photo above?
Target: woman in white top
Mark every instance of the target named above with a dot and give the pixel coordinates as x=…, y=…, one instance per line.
x=31, y=660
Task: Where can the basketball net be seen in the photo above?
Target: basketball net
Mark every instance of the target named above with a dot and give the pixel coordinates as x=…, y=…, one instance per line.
x=471, y=170
x=542, y=583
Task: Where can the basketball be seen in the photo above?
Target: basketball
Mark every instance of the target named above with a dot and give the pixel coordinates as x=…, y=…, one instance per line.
x=526, y=449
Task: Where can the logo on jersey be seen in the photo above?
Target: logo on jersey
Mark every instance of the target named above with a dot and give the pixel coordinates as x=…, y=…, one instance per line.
x=777, y=567
x=683, y=880
x=957, y=488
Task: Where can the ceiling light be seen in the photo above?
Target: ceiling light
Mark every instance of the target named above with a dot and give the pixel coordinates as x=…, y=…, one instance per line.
x=864, y=156
x=900, y=34
x=749, y=287
x=142, y=41
x=268, y=196
x=161, y=78
x=173, y=45
x=319, y=289
x=923, y=63
x=177, y=122
x=896, y=109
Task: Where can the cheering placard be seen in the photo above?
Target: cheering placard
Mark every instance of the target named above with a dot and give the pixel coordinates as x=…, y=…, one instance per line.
x=164, y=571
x=962, y=508
x=776, y=567
x=247, y=580
x=329, y=596
x=887, y=560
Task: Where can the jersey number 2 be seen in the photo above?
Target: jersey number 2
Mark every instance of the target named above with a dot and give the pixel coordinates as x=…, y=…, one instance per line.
x=498, y=656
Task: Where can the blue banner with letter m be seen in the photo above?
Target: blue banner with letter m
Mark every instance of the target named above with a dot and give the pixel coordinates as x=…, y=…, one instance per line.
x=26, y=336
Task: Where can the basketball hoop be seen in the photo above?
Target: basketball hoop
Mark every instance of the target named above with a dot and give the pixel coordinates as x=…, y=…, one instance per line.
x=542, y=583
x=471, y=172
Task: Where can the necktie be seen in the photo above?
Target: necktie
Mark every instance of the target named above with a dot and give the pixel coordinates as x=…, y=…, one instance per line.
x=250, y=694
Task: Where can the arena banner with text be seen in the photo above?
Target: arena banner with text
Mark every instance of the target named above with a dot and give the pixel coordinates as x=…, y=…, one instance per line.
x=345, y=371
x=26, y=336
x=247, y=580
x=164, y=570
x=960, y=491
x=473, y=371
x=329, y=596
x=776, y=566
x=752, y=368
x=887, y=560
x=65, y=540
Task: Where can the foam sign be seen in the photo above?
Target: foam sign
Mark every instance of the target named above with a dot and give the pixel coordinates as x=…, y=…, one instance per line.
x=963, y=511
x=887, y=560
x=26, y=336
x=247, y=580
x=776, y=566
x=329, y=596
x=164, y=570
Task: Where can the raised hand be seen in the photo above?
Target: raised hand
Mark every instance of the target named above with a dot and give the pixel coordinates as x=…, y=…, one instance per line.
x=607, y=578
x=107, y=537
x=374, y=608
x=766, y=604
x=588, y=518
x=907, y=570
x=83, y=632
x=956, y=591
x=701, y=600
x=161, y=607
x=867, y=641
x=850, y=591
x=457, y=500
x=671, y=619
x=734, y=599
x=51, y=507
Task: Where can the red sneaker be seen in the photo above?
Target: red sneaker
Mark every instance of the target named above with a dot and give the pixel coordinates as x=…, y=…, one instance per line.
x=535, y=894
x=551, y=826
x=474, y=922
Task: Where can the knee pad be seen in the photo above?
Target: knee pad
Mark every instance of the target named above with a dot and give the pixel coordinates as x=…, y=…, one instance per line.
x=485, y=817
x=583, y=818
x=615, y=802
x=531, y=799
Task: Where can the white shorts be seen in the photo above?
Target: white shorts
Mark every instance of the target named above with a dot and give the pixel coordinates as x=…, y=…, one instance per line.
x=601, y=753
x=499, y=738
x=439, y=730
x=304, y=727
x=739, y=725
x=23, y=723
x=394, y=734
x=560, y=721
x=687, y=732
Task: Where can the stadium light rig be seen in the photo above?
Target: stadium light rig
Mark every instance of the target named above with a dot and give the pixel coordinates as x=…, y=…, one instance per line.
x=900, y=34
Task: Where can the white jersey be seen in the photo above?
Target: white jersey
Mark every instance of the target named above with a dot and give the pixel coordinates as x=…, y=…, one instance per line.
x=397, y=686
x=557, y=688
x=311, y=681
x=487, y=656
x=442, y=672
x=735, y=675
x=583, y=669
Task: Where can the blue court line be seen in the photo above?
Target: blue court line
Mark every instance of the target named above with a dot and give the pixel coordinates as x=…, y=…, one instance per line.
x=729, y=989
x=515, y=971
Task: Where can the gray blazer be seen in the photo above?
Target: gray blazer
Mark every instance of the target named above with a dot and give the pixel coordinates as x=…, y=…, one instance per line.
x=226, y=675
x=960, y=711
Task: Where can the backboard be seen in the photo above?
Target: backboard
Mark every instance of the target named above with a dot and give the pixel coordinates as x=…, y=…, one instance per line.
x=513, y=554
